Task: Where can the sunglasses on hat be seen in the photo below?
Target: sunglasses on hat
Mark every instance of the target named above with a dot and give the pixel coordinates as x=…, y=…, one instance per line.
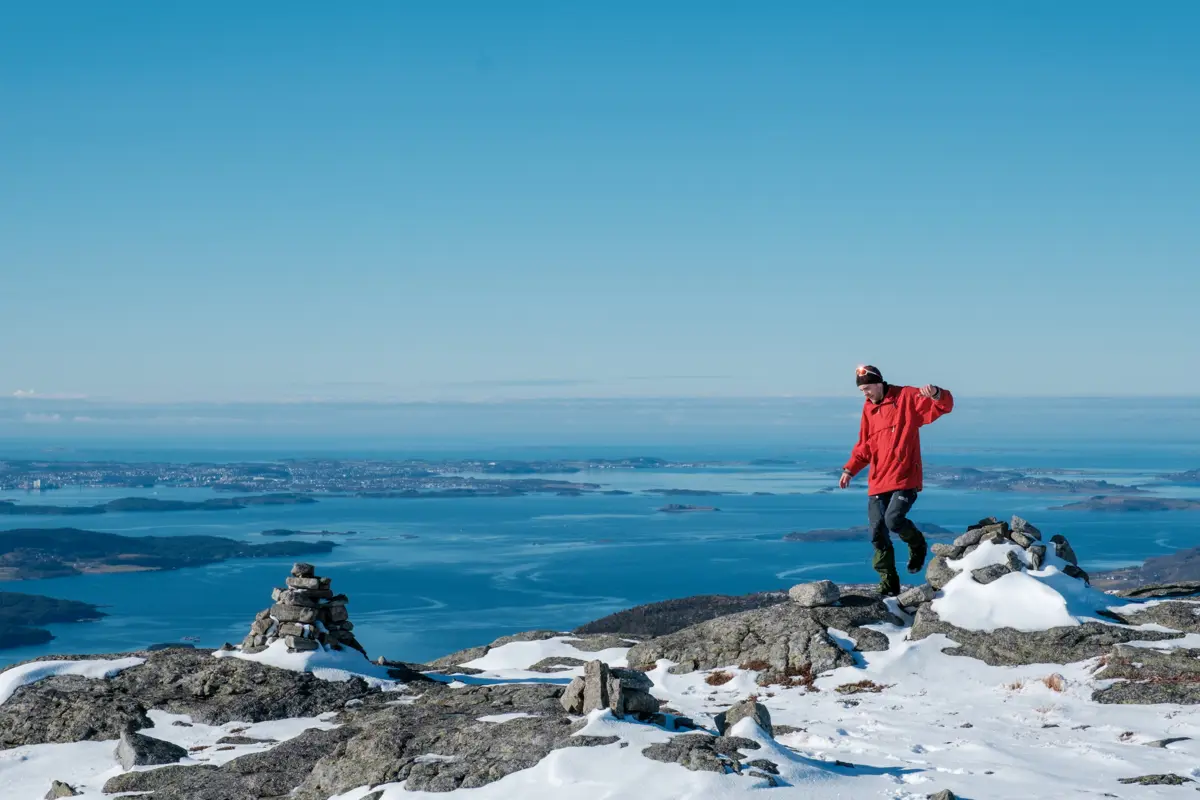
x=861, y=371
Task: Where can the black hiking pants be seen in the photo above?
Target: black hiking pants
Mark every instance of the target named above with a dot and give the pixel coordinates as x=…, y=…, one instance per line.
x=888, y=513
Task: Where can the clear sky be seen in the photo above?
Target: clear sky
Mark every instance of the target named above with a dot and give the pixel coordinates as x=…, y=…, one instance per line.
x=265, y=201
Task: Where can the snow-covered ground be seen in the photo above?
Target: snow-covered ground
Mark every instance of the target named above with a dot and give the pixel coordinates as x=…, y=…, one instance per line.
x=939, y=722
x=26, y=772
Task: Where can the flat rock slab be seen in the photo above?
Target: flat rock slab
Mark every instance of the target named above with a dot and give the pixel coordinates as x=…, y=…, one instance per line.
x=669, y=616
x=783, y=636
x=213, y=691
x=138, y=750
x=1147, y=677
x=1007, y=647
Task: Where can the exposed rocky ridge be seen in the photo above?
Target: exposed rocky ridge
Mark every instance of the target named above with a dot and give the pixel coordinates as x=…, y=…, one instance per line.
x=1006, y=647
x=379, y=743
x=1145, y=676
x=785, y=636
x=669, y=616
x=182, y=681
x=585, y=643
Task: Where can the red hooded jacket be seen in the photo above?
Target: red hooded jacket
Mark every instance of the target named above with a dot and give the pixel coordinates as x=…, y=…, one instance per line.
x=889, y=438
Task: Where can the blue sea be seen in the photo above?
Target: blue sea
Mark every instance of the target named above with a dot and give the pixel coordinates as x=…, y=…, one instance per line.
x=426, y=577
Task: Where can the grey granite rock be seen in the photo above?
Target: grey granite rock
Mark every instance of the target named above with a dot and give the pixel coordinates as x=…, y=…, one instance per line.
x=1062, y=548
x=59, y=789
x=1010, y=647
x=137, y=750
x=938, y=573
x=1037, y=556
x=784, y=636
x=1022, y=538
x=747, y=709
x=817, y=593
x=669, y=616
x=971, y=537
x=1172, y=614
x=556, y=664
x=1153, y=590
x=911, y=598
x=947, y=550
x=990, y=573
x=1025, y=527
x=211, y=690
x=1168, y=779
x=1075, y=572
x=1146, y=677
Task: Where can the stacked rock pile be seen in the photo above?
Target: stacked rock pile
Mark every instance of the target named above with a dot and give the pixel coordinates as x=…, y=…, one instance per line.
x=1018, y=532
x=306, y=616
x=624, y=691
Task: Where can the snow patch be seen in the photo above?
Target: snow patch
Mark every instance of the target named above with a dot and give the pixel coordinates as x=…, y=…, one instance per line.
x=25, y=674
x=328, y=665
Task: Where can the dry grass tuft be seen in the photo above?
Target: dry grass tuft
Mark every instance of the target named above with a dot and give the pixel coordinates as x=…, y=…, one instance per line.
x=1055, y=682
x=1015, y=686
x=790, y=677
x=757, y=665
x=862, y=687
x=718, y=678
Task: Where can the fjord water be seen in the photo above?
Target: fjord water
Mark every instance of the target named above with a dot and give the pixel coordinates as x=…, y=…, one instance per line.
x=429, y=576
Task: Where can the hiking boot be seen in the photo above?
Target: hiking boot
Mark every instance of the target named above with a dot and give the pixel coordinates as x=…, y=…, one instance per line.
x=889, y=585
x=916, y=559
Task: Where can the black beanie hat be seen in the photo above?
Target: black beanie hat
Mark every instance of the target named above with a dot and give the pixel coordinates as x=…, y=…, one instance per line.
x=867, y=374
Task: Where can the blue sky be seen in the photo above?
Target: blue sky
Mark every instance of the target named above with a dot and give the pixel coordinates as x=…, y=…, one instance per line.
x=231, y=202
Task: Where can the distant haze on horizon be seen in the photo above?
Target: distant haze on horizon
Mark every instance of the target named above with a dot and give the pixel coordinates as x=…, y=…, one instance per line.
x=279, y=204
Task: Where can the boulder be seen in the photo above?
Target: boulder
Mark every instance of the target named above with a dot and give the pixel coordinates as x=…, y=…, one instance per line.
x=1025, y=527
x=947, y=550
x=911, y=598
x=1022, y=538
x=971, y=537
x=59, y=789
x=939, y=573
x=137, y=750
x=1076, y=572
x=747, y=709
x=302, y=570
x=944, y=794
x=990, y=573
x=818, y=593
x=1062, y=548
x=1037, y=556
x=623, y=691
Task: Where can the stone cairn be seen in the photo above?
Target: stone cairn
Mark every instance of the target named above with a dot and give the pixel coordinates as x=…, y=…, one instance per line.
x=1018, y=532
x=306, y=616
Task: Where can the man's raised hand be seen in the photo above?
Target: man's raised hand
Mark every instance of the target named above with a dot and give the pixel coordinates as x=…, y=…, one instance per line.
x=930, y=391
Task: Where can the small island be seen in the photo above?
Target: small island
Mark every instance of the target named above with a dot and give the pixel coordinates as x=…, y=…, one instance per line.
x=21, y=616
x=288, y=532
x=686, y=492
x=7, y=507
x=31, y=553
x=1107, y=503
x=678, y=508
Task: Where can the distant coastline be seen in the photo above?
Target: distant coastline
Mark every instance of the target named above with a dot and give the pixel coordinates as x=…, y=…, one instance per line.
x=32, y=553
x=126, y=504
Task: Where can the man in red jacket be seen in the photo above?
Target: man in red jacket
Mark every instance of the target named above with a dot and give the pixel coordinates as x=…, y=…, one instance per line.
x=890, y=442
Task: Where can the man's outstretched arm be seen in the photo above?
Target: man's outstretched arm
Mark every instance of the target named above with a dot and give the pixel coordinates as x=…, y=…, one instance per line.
x=931, y=402
x=860, y=456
